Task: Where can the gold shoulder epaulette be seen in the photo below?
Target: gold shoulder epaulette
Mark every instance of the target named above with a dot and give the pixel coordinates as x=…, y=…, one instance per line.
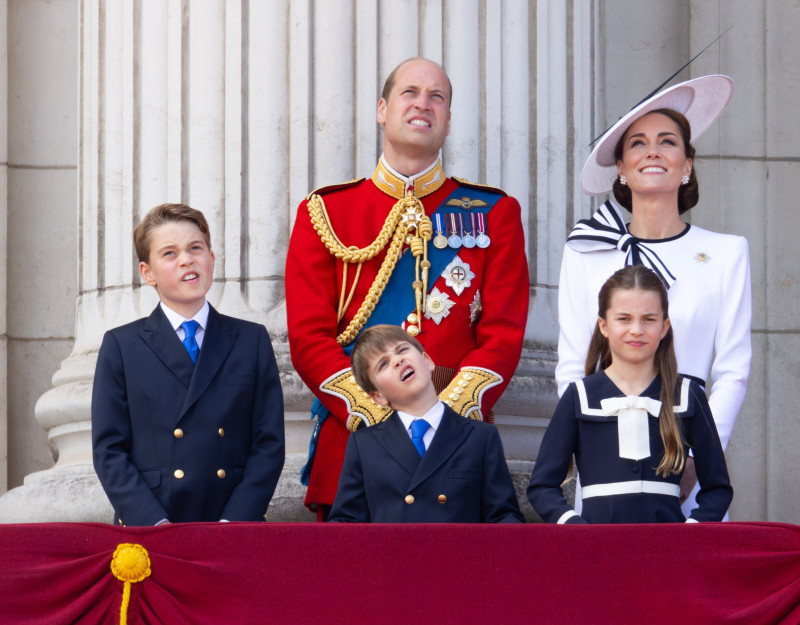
x=465, y=391
x=475, y=185
x=334, y=187
x=362, y=410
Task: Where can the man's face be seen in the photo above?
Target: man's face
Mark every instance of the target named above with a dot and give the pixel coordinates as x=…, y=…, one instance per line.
x=416, y=117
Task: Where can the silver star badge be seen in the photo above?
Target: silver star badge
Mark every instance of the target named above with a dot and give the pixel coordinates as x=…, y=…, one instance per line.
x=437, y=306
x=457, y=275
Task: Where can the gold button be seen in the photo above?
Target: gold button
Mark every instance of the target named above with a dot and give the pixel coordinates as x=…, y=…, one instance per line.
x=442, y=499
x=178, y=433
x=178, y=474
x=221, y=473
x=453, y=396
x=412, y=330
x=409, y=499
x=468, y=376
x=121, y=523
x=412, y=318
x=463, y=383
x=221, y=432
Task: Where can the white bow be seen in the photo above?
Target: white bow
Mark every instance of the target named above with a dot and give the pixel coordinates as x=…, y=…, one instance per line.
x=632, y=427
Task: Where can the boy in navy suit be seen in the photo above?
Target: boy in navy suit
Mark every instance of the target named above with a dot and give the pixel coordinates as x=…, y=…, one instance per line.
x=424, y=463
x=187, y=408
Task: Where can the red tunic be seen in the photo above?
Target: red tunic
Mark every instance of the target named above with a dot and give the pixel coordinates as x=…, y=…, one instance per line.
x=313, y=283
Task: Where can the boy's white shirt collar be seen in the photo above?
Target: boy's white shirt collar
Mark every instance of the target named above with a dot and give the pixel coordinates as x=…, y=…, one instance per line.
x=433, y=417
x=176, y=320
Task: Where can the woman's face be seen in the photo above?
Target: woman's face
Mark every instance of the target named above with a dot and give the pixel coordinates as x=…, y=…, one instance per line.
x=654, y=156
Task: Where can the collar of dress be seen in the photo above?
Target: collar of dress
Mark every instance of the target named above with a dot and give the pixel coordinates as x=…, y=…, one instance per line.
x=394, y=184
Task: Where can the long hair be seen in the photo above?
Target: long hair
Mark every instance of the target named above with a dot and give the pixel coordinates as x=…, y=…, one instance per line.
x=640, y=278
x=688, y=194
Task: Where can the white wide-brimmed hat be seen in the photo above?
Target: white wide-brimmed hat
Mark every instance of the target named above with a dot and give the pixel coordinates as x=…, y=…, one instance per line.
x=701, y=100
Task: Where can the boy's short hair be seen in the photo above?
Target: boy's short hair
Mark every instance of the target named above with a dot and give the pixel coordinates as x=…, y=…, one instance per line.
x=164, y=214
x=373, y=341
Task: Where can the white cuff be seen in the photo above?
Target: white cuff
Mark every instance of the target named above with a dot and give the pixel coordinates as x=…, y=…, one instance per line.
x=566, y=517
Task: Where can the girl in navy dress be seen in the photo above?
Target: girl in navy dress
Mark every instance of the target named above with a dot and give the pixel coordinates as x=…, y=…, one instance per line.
x=631, y=422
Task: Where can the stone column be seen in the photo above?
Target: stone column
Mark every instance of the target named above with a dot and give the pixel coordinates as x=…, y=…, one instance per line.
x=3, y=245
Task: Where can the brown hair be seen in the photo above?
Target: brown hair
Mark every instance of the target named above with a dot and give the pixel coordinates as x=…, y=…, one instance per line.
x=372, y=341
x=164, y=214
x=389, y=84
x=688, y=194
x=640, y=278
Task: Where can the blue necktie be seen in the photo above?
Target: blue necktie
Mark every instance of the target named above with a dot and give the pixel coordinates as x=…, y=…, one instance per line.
x=189, y=342
x=418, y=429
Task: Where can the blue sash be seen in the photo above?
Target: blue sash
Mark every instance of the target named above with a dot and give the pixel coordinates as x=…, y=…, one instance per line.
x=398, y=297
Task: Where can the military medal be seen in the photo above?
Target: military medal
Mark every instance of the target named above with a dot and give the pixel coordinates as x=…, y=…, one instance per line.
x=440, y=241
x=437, y=306
x=454, y=239
x=469, y=239
x=482, y=239
x=475, y=308
x=457, y=275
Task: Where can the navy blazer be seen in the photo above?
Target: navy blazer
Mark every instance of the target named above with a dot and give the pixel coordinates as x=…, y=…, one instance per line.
x=181, y=441
x=463, y=477
x=578, y=428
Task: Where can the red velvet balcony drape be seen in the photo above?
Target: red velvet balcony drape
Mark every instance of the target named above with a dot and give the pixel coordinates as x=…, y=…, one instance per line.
x=734, y=573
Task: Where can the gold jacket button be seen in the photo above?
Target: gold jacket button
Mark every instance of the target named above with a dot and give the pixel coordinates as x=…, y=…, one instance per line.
x=221, y=432
x=412, y=318
x=178, y=474
x=442, y=499
x=409, y=499
x=221, y=473
x=178, y=433
x=121, y=523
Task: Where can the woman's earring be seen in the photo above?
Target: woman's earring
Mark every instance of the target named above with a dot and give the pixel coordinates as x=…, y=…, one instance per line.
x=623, y=180
x=685, y=179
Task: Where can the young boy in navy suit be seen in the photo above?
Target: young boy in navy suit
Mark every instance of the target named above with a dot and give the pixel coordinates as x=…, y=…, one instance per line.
x=187, y=408
x=424, y=463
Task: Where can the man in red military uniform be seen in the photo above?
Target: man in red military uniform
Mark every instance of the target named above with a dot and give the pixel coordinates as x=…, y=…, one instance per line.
x=441, y=257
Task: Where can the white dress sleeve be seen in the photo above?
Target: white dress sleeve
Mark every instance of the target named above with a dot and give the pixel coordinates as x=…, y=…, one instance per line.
x=577, y=313
x=732, y=351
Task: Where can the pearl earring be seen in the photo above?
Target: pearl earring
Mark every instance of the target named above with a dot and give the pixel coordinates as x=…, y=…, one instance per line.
x=623, y=180
x=685, y=179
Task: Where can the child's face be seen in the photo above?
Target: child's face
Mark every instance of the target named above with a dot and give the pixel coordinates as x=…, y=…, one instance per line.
x=400, y=374
x=634, y=325
x=181, y=266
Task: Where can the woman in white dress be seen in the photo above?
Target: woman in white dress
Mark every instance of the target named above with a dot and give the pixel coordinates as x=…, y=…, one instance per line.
x=646, y=158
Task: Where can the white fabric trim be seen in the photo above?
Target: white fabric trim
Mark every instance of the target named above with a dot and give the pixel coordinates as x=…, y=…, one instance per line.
x=566, y=517
x=691, y=520
x=684, y=405
x=630, y=488
x=592, y=412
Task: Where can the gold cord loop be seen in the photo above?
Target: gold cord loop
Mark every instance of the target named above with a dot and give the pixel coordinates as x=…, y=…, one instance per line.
x=406, y=215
